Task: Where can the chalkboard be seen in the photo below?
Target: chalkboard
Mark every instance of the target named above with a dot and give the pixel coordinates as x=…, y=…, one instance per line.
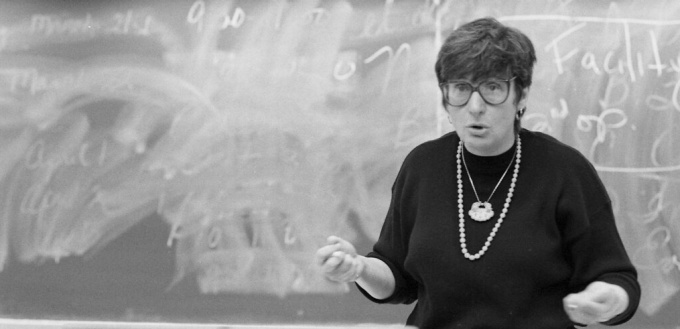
x=183, y=160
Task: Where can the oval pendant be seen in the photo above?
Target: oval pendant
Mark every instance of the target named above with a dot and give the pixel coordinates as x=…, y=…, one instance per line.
x=481, y=211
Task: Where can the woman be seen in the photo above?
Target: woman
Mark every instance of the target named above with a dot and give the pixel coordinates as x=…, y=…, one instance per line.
x=494, y=226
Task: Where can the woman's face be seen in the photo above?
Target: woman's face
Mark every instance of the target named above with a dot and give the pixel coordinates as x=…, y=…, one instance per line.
x=485, y=129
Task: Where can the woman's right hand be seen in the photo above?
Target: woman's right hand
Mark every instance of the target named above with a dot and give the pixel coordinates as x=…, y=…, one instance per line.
x=339, y=260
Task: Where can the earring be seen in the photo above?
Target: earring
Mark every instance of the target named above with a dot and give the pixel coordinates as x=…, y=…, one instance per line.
x=520, y=113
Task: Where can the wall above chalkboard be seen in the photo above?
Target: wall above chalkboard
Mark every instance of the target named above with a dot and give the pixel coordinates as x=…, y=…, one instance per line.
x=204, y=150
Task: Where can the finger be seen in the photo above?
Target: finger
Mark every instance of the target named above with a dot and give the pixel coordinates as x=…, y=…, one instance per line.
x=582, y=310
x=347, y=262
x=334, y=240
x=599, y=292
x=323, y=253
x=571, y=305
x=342, y=243
x=335, y=260
x=578, y=315
x=595, y=299
x=604, y=297
x=591, y=309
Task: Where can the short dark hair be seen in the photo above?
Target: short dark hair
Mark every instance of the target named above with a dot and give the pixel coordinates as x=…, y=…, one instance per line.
x=486, y=48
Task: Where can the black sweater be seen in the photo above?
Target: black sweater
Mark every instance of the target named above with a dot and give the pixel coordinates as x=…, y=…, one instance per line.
x=559, y=235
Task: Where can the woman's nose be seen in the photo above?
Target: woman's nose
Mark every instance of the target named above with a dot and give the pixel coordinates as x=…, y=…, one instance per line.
x=476, y=103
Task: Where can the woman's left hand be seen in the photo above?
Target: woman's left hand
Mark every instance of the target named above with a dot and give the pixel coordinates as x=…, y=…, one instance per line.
x=599, y=302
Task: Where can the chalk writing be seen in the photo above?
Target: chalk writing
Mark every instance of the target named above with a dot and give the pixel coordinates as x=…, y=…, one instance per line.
x=562, y=112
x=126, y=23
x=196, y=13
x=120, y=23
x=656, y=240
x=602, y=127
x=86, y=156
x=197, y=16
x=32, y=81
x=39, y=199
x=235, y=20
x=393, y=57
x=344, y=69
x=48, y=25
x=609, y=64
x=393, y=19
x=382, y=25
x=559, y=58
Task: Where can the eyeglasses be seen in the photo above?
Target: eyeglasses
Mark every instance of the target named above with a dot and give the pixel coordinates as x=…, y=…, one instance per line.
x=493, y=91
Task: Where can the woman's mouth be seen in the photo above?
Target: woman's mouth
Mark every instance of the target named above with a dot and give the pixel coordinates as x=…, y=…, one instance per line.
x=477, y=127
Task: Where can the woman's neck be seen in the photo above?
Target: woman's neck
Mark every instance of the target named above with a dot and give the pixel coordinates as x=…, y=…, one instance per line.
x=491, y=150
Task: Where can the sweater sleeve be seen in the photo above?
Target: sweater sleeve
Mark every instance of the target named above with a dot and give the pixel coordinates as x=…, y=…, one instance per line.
x=593, y=243
x=392, y=244
x=599, y=255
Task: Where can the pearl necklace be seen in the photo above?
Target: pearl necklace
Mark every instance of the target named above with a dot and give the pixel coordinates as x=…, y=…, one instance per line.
x=501, y=217
x=483, y=211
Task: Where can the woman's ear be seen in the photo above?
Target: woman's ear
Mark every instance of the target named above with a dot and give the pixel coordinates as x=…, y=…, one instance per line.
x=522, y=103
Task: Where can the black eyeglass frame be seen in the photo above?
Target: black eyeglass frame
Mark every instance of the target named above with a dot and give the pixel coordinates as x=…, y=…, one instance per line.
x=443, y=88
